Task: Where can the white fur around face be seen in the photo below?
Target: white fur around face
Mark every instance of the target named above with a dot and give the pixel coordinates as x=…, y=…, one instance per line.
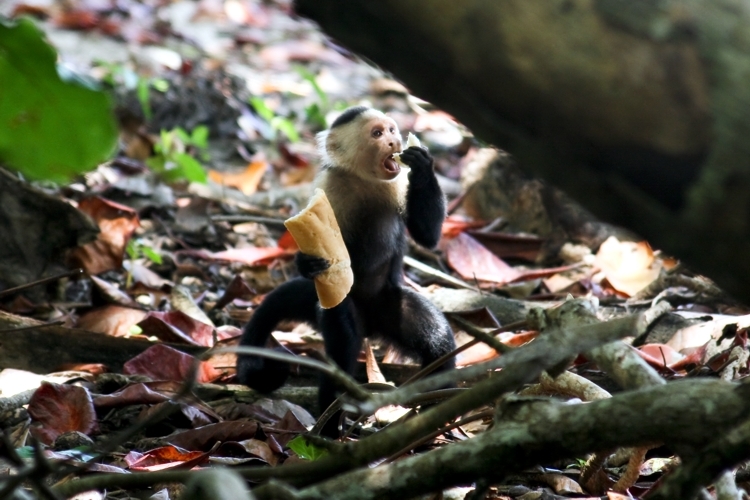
x=351, y=158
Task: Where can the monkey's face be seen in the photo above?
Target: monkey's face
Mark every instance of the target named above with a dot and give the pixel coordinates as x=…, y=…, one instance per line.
x=380, y=140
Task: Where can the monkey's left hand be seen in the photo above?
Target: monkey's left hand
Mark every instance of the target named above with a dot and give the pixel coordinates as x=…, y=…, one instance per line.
x=421, y=164
x=310, y=266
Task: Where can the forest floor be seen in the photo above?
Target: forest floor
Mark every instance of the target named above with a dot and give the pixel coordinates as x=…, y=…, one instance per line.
x=98, y=361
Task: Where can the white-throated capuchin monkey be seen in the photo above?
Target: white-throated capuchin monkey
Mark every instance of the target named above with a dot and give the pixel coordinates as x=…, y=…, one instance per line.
x=374, y=203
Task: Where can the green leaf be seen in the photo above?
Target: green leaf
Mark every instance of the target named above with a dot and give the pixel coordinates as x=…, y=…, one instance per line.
x=132, y=249
x=261, y=108
x=306, y=450
x=25, y=451
x=144, y=98
x=190, y=168
x=160, y=84
x=315, y=116
x=200, y=136
x=151, y=254
x=310, y=77
x=285, y=126
x=49, y=128
x=181, y=134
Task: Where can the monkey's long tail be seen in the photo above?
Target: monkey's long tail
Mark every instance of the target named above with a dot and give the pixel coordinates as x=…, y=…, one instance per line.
x=294, y=300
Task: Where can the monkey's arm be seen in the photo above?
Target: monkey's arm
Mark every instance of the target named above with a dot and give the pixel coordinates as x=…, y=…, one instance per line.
x=425, y=203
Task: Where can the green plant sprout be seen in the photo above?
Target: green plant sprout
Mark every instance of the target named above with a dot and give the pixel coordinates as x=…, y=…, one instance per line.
x=315, y=113
x=277, y=123
x=173, y=162
x=136, y=249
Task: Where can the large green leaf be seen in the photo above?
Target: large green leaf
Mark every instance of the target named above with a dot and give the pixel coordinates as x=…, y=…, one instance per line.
x=49, y=128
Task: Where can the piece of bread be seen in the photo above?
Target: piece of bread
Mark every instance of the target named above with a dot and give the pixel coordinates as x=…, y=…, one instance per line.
x=411, y=140
x=317, y=233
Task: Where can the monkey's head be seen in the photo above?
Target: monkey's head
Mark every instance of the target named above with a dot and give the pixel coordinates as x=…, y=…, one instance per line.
x=362, y=141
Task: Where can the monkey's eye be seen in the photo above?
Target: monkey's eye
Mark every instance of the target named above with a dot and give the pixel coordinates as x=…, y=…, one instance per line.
x=377, y=132
x=392, y=130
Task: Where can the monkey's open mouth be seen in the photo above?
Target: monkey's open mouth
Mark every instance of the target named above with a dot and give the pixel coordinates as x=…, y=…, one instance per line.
x=391, y=167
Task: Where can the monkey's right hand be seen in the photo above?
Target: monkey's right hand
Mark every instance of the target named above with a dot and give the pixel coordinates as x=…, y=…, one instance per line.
x=310, y=266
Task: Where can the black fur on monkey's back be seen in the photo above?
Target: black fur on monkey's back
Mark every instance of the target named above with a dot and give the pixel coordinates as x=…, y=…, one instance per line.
x=374, y=230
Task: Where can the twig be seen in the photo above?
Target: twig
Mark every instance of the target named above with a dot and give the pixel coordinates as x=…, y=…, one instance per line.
x=42, y=281
x=331, y=369
x=249, y=218
x=420, y=266
x=481, y=335
x=32, y=327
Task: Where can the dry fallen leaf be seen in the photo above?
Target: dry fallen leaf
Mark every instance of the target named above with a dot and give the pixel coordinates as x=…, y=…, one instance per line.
x=111, y=320
x=161, y=362
x=116, y=223
x=246, y=181
x=628, y=266
x=58, y=409
x=473, y=261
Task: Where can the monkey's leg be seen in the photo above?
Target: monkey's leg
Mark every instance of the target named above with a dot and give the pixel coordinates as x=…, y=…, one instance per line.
x=342, y=336
x=416, y=326
x=294, y=300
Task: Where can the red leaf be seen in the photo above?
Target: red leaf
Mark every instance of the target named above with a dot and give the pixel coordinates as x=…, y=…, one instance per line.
x=473, y=261
x=60, y=409
x=292, y=158
x=166, y=457
x=510, y=245
x=453, y=226
x=252, y=256
x=287, y=242
x=161, y=362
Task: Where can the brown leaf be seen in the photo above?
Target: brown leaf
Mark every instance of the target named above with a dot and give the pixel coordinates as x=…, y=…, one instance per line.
x=116, y=225
x=291, y=424
x=237, y=289
x=260, y=449
x=161, y=362
x=141, y=393
x=60, y=409
x=374, y=375
x=111, y=320
x=204, y=438
x=76, y=19
x=176, y=326
x=111, y=293
x=246, y=181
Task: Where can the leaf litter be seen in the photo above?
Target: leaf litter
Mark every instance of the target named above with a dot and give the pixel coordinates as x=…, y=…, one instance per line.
x=261, y=84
